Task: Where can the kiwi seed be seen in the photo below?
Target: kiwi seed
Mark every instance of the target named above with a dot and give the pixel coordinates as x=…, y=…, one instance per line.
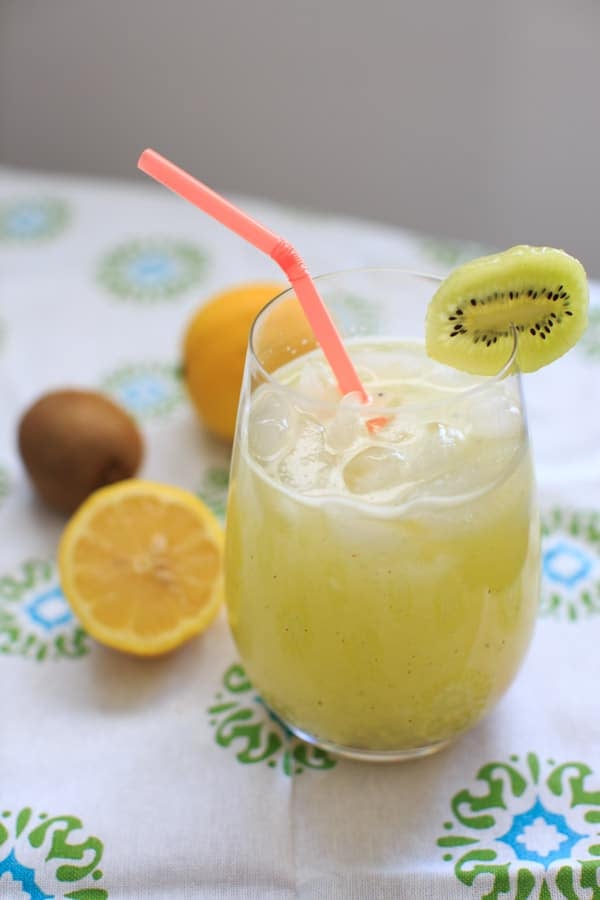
x=538, y=293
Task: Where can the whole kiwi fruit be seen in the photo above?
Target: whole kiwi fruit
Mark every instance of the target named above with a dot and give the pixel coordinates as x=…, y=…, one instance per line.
x=75, y=441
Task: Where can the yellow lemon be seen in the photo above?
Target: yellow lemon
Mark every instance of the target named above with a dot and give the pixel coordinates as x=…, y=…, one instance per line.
x=283, y=335
x=141, y=566
x=214, y=350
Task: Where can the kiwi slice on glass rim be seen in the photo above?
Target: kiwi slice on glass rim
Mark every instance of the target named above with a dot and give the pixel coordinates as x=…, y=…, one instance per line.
x=539, y=293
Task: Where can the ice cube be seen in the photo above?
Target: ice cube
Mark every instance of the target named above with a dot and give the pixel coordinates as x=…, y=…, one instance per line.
x=494, y=413
x=316, y=382
x=347, y=425
x=395, y=429
x=394, y=362
x=439, y=449
x=454, y=462
x=375, y=469
x=272, y=425
x=450, y=379
x=308, y=466
x=446, y=435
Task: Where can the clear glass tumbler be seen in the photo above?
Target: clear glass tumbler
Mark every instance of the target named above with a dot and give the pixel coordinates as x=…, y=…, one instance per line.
x=382, y=561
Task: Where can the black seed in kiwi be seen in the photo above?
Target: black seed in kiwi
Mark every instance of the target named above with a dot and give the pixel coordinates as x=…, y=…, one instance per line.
x=534, y=296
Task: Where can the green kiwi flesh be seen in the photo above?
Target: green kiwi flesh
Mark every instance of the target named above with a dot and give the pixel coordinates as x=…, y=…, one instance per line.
x=538, y=294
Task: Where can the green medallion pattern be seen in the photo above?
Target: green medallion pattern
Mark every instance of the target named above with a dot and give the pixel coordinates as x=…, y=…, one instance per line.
x=46, y=857
x=213, y=490
x=447, y=253
x=527, y=829
x=245, y=725
x=570, y=565
x=31, y=220
x=148, y=390
x=344, y=307
x=298, y=214
x=150, y=270
x=4, y=484
x=36, y=621
x=590, y=340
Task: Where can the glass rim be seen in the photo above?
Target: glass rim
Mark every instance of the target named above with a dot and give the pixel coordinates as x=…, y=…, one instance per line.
x=509, y=367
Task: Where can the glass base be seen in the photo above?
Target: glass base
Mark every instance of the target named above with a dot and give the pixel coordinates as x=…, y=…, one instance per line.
x=364, y=755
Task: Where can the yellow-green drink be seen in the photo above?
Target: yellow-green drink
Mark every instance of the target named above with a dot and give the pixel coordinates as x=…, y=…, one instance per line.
x=382, y=576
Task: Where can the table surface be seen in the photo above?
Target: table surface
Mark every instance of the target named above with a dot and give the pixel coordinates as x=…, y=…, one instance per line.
x=164, y=778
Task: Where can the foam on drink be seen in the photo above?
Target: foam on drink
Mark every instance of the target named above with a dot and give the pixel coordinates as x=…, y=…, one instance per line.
x=442, y=435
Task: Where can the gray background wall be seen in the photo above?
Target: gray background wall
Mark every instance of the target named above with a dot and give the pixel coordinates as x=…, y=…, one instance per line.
x=464, y=118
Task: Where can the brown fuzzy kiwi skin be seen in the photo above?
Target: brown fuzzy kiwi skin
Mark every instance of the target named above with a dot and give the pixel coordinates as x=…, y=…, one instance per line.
x=75, y=441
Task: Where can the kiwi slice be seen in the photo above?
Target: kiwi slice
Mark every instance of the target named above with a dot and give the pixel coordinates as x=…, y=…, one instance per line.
x=539, y=293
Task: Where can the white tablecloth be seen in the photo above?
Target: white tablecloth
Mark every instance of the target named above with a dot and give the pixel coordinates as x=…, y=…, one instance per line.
x=126, y=778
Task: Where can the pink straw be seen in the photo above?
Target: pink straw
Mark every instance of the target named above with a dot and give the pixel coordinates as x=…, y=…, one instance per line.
x=182, y=183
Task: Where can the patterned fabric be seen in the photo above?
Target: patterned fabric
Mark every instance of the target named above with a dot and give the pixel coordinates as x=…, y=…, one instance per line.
x=135, y=779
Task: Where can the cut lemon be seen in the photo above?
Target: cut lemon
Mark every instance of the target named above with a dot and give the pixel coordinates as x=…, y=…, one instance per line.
x=141, y=565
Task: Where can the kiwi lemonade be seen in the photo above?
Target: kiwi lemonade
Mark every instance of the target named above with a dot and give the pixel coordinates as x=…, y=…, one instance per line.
x=382, y=573
x=382, y=558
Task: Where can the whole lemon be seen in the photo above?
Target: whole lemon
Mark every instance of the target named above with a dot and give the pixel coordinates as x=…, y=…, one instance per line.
x=214, y=350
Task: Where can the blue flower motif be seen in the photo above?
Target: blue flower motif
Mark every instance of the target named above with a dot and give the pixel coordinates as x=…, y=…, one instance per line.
x=147, y=390
x=24, y=876
x=557, y=838
x=50, y=609
x=26, y=221
x=544, y=854
x=570, y=564
x=153, y=269
x=37, y=621
x=566, y=563
x=143, y=393
x=32, y=219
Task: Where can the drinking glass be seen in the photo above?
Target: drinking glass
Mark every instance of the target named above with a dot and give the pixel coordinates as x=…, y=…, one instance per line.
x=382, y=561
